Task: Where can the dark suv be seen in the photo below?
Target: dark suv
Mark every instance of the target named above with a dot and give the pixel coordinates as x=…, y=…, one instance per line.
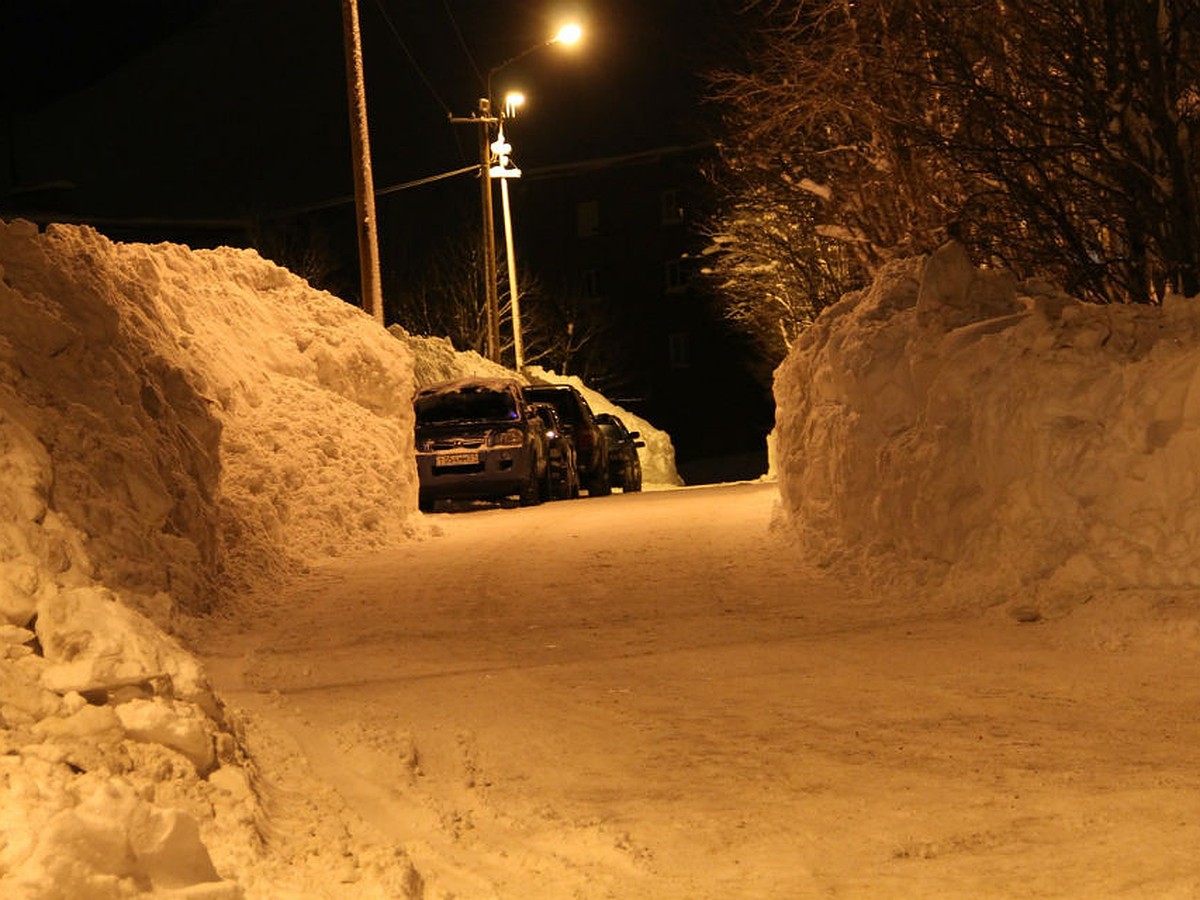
x=476, y=438
x=624, y=467
x=578, y=421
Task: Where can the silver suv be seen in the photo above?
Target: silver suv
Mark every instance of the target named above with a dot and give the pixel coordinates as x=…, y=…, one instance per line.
x=477, y=438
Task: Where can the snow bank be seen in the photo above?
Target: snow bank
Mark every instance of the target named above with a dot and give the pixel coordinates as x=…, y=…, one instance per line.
x=172, y=423
x=196, y=416
x=999, y=439
x=435, y=360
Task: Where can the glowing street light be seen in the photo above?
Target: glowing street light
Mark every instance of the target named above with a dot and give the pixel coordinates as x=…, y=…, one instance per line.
x=513, y=101
x=571, y=33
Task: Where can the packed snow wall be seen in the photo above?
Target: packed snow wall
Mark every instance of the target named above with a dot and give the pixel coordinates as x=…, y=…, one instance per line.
x=172, y=423
x=173, y=419
x=996, y=439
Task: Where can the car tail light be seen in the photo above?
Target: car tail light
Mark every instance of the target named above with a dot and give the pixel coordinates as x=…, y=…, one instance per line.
x=509, y=437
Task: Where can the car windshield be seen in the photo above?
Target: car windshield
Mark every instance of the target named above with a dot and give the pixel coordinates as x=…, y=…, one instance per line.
x=560, y=400
x=475, y=405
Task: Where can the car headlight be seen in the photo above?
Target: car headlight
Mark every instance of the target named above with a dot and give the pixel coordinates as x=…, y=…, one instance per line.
x=509, y=437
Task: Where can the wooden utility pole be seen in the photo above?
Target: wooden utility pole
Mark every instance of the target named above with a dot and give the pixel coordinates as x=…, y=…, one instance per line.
x=360, y=147
x=490, y=273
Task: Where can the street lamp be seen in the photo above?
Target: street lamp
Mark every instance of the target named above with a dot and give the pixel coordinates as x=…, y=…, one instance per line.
x=504, y=171
x=568, y=35
x=484, y=117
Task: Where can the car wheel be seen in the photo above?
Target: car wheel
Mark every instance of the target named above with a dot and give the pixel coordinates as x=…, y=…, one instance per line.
x=425, y=503
x=598, y=484
x=633, y=479
x=531, y=493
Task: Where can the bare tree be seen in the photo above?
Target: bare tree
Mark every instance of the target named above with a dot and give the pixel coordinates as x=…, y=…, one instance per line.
x=1052, y=136
x=577, y=335
x=767, y=262
x=300, y=245
x=444, y=298
x=562, y=331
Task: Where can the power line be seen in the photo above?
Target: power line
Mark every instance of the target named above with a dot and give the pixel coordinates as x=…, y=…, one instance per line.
x=379, y=192
x=429, y=179
x=412, y=60
x=463, y=44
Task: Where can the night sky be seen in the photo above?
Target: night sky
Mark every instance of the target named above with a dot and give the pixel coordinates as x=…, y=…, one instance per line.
x=220, y=108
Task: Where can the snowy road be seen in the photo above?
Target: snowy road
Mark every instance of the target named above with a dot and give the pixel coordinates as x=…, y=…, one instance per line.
x=650, y=696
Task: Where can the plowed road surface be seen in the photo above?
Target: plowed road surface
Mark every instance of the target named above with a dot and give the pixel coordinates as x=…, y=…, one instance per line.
x=654, y=696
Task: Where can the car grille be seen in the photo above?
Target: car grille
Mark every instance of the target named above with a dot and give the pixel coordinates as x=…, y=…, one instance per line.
x=458, y=443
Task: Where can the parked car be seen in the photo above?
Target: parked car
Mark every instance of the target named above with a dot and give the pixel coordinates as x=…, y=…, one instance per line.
x=477, y=438
x=579, y=423
x=562, y=471
x=624, y=466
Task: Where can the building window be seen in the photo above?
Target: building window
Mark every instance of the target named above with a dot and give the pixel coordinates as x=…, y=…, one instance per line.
x=679, y=349
x=675, y=277
x=587, y=218
x=672, y=208
x=589, y=283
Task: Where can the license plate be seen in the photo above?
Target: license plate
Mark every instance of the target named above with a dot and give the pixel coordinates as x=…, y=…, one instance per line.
x=458, y=458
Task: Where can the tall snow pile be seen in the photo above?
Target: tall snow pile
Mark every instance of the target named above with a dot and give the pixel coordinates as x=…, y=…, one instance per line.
x=171, y=423
x=998, y=439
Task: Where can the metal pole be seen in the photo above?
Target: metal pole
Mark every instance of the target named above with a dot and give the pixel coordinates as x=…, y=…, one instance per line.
x=360, y=145
x=513, y=295
x=490, y=275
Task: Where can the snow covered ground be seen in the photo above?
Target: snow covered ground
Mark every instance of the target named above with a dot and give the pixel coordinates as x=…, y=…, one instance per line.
x=182, y=433
x=654, y=695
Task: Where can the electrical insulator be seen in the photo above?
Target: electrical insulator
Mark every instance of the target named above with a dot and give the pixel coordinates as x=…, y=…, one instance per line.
x=503, y=167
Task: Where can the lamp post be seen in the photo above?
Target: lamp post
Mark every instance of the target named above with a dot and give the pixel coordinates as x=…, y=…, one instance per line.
x=485, y=118
x=503, y=171
x=491, y=300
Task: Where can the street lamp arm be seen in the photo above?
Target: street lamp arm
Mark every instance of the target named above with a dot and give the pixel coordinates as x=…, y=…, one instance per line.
x=568, y=34
x=508, y=62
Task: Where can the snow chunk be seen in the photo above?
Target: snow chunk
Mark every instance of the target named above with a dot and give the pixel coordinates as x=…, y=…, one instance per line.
x=172, y=725
x=99, y=838
x=95, y=643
